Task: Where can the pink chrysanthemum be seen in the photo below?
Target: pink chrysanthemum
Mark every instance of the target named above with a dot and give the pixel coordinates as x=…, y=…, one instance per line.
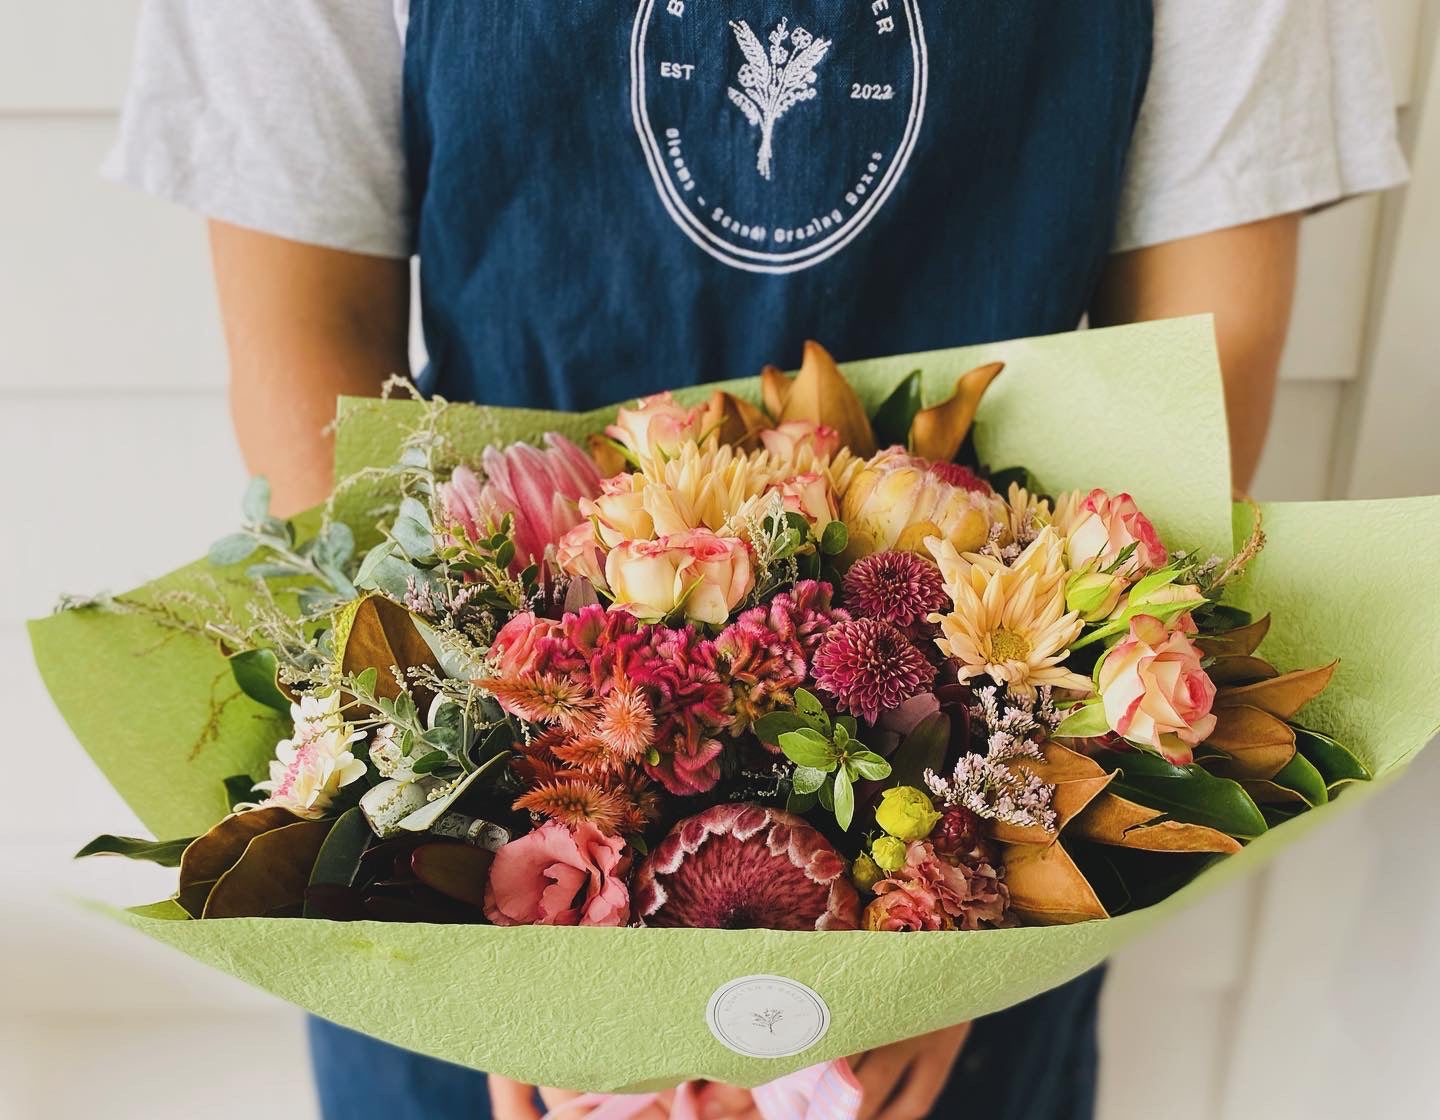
x=745, y=867
x=870, y=667
x=900, y=588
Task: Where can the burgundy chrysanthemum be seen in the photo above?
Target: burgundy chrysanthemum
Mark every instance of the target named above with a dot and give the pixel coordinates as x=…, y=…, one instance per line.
x=900, y=588
x=963, y=477
x=745, y=867
x=870, y=667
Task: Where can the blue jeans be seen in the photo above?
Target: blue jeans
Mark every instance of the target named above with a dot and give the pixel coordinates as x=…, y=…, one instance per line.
x=1035, y=1061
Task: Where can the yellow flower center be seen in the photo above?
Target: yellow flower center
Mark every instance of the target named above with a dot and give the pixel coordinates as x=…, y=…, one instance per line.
x=1006, y=645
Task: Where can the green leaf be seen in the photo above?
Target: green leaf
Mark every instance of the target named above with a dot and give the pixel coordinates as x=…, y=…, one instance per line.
x=416, y=540
x=849, y=725
x=870, y=766
x=896, y=413
x=256, y=503
x=238, y=788
x=255, y=672
x=807, y=779
x=769, y=727
x=1300, y=775
x=834, y=538
x=811, y=711
x=1337, y=766
x=844, y=799
x=428, y=763
x=365, y=681
x=164, y=852
x=505, y=553
x=1083, y=721
x=826, y=796
x=234, y=549
x=388, y=573
x=1186, y=793
x=415, y=510
x=800, y=802
x=339, y=855
x=807, y=747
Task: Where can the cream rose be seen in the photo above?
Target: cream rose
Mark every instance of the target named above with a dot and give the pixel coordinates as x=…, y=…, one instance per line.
x=1101, y=527
x=1155, y=692
x=707, y=573
x=786, y=441
x=657, y=426
x=809, y=495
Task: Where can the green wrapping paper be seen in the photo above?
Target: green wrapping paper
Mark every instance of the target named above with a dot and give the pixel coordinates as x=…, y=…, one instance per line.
x=1135, y=408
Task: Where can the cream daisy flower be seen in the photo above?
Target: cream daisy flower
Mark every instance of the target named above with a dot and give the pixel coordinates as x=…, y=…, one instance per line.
x=1026, y=514
x=1009, y=620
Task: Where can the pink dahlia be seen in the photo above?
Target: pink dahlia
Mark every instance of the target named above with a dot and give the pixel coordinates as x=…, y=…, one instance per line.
x=540, y=489
x=870, y=667
x=745, y=867
x=900, y=588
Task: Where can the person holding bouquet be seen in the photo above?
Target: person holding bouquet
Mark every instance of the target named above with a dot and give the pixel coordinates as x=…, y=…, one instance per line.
x=610, y=200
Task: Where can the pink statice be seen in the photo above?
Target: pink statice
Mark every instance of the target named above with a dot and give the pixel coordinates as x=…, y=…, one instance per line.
x=539, y=489
x=901, y=588
x=870, y=667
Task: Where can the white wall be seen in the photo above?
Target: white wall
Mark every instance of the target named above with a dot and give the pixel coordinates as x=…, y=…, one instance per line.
x=111, y=395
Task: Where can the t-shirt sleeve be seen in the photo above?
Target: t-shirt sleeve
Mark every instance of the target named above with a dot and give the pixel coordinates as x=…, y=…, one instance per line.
x=279, y=115
x=1256, y=108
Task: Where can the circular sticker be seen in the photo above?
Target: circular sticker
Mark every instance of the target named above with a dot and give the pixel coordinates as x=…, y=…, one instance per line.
x=767, y=1016
x=775, y=130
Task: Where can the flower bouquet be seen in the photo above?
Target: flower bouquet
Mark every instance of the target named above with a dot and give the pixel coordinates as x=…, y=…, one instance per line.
x=718, y=692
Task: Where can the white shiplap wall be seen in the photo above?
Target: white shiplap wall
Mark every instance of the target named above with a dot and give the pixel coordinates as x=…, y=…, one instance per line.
x=111, y=396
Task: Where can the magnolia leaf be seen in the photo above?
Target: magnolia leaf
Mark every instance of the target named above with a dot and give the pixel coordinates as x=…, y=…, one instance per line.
x=164, y=852
x=1257, y=744
x=270, y=877
x=459, y=871
x=1337, y=766
x=339, y=856
x=734, y=420
x=211, y=855
x=939, y=431
x=807, y=747
x=607, y=455
x=1239, y=642
x=1238, y=669
x=238, y=788
x=820, y=393
x=1119, y=822
x=256, y=671
x=774, y=390
x=1300, y=775
x=844, y=796
x=1187, y=793
x=1281, y=696
x=924, y=748
x=893, y=418
x=1078, y=780
x=1046, y=888
x=377, y=634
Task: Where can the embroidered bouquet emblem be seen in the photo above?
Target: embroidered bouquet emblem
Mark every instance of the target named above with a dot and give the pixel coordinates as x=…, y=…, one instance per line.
x=768, y=1018
x=772, y=81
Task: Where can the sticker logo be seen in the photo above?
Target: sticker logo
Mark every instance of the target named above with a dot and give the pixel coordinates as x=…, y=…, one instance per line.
x=773, y=139
x=767, y=1016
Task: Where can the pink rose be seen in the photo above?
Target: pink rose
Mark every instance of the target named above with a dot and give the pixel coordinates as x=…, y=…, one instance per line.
x=707, y=573
x=1155, y=692
x=517, y=643
x=786, y=440
x=558, y=876
x=657, y=426
x=1104, y=527
x=579, y=554
x=809, y=495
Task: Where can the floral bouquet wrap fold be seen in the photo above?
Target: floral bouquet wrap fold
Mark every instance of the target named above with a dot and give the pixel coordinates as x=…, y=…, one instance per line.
x=567, y=984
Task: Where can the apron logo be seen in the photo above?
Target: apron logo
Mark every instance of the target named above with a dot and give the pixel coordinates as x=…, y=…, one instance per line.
x=774, y=81
x=708, y=97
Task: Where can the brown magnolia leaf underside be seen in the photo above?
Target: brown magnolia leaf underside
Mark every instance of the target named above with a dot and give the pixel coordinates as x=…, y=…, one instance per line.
x=821, y=393
x=733, y=420
x=382, y=635
x=269, y=878
x=774, y=390
x=939, y=431
x=1120, y=822
x=1281, y=696
x=1046, y=888
x=1078, y=780
x=208, y=857
x=1239, y=669
x=1258, y=744
x=1240, y=642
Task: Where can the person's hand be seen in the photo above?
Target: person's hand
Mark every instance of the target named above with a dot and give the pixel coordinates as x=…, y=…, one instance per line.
x=717, y=1101
x=902, y=1081
x=515, y=1100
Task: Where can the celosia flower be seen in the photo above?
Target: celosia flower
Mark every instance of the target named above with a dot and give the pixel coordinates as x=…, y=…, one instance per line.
x=1008, y=621
x=901, y=588
x=1099, y=528
x=906, y=813
x=1155, y=691
x=559, y=876
x=704, y=575
x=540, y=489
x=657, y=427
x=896, y=501
x=574, y=802
x=870, y=667
x=312, y=766
x=745, y=867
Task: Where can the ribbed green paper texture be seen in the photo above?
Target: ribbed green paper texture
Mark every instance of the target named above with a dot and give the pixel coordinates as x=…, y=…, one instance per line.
x=1135, y=408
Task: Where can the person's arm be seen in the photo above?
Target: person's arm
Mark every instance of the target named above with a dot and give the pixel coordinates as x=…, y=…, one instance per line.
x=303, y=325
x=1245, y=276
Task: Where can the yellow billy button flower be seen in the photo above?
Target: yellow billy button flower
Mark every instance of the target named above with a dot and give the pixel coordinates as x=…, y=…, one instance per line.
x=889, y=853
x=906, y=813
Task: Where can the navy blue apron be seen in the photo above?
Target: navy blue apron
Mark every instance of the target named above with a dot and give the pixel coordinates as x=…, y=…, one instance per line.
x=615, y=198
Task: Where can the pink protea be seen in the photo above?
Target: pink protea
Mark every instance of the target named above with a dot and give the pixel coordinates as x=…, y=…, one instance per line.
x=745, y=867
x=870, y=667
x=956, y=475
x=900, y=588
x=540, y=489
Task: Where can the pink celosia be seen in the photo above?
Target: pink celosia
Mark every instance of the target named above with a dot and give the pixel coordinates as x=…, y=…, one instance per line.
x=802, y=613
x=745, y=867
x=540, y=489
x=559, y=876
x=870, y=667
x=901, y=588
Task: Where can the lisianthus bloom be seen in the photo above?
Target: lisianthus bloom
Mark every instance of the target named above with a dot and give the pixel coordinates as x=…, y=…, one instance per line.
x=1155, y=691
x=539, y=489
x=785, y=440
x=312, y=766
x=1008, y=621
x=897, y=501
x=701, y=573
x=904, y=907
x=516, y=646
x=559, y=876
x=657, y=426
x=1098, y=528
x=869, y=667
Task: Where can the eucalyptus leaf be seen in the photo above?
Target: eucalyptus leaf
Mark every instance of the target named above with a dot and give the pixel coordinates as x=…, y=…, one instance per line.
x=256, y=503
x=417, y=540
x=234, y=549
x=416, y=511
x=429, y=763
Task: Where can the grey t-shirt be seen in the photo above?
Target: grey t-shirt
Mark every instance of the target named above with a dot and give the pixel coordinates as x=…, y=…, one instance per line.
x=284, y=116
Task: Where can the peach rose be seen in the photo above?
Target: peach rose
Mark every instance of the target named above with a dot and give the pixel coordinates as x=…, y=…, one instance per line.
x=1155, y=692
x=786, y=440
x=558, y=876
x=657, y=426
x=809, y=495
x=517, y=644
x=709, y=574
x=579, y=554
x=619, y=513
x=1103, y=527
